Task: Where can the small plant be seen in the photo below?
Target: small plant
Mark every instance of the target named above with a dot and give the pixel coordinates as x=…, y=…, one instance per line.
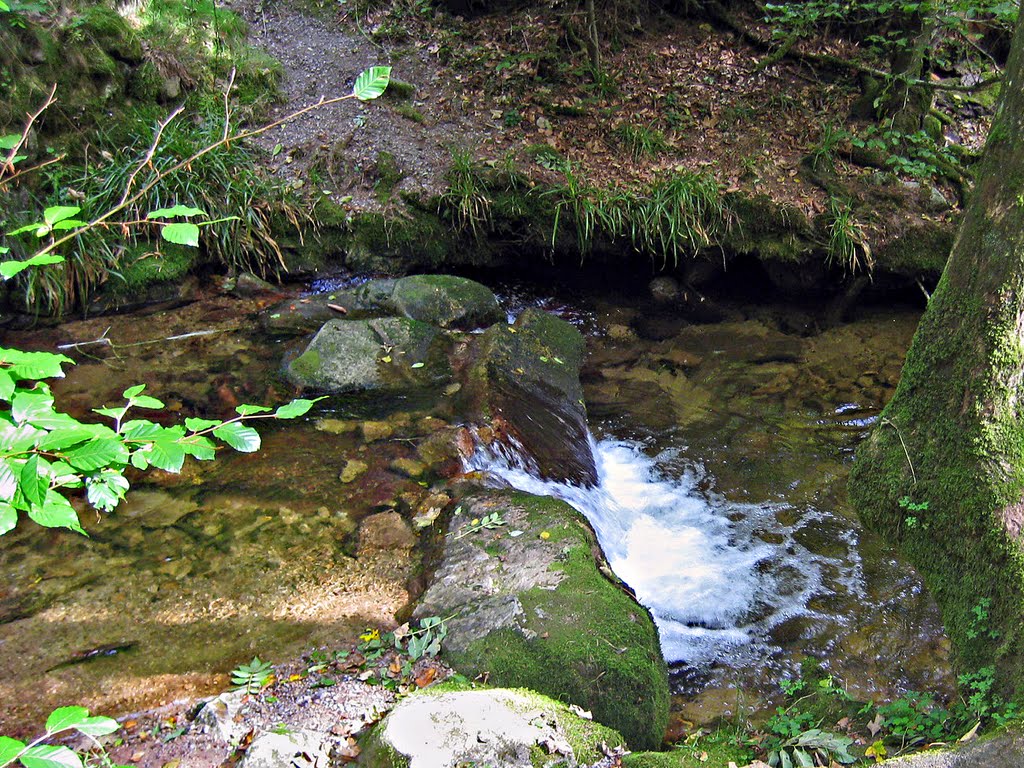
x=978, y=626
x=642, y=141
x=810, y=748
x=823, y=154
x=40, y=754
x=912, y=521
x=847, y=243
x=488, y=522
x=252, y=677
x=914, y=719
x=466, y=197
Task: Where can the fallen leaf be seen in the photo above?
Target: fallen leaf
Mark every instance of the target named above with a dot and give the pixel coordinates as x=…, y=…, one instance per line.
x=426, y=677
x=972, y=734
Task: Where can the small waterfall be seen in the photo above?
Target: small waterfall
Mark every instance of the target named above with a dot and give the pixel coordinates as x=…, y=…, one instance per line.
x=714, y=588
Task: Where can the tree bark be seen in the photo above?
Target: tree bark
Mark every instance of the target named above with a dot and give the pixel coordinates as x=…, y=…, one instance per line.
x=953, y=435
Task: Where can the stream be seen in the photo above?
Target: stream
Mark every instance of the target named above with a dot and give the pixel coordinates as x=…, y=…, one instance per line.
x=723, y=451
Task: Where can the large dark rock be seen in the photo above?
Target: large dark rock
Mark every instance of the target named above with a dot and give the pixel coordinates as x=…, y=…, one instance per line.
x=388, y=353
x=525, y=387
x=534, y=606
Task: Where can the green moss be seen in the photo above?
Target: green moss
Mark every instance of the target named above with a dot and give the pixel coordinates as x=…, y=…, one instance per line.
x=399, y=90
x=410, y=112
x=396, y=245
x=140, y=267
x=307, y=364
x=714, y=750
x=921, y=250
x=586, y=642
x=388, y=173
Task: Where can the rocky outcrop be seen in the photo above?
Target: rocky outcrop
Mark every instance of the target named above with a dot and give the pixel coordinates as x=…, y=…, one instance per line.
x=525, y=386
x=493, y=727
x=533, y=606
x=383, y=354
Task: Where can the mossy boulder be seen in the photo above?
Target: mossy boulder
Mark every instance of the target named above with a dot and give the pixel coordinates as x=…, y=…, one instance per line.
x=446, y=301
x=443, y=728
x=539, y=609
x=525, y=385
x=393, y=354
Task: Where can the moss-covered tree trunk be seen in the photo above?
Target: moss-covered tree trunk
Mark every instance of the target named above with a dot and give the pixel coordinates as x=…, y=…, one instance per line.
x=953, y=435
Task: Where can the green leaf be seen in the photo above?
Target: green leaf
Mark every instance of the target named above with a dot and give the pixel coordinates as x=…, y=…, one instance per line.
x=113, y=413
x=106, y=490
x=61, y=226
x=131, y=392
x=145, y=401
x=371, y=83
x=31, y=404
x=59, y=213
x=6, y=385
x=181, y=233
x=9, y=749
x=56, y=512
x=98, y=726
x=97, y=454
x=66, y=437
x=19, y=439
x=201, y=448
x=175, y=211
x=66, y=717
x=8, y=481
x=166, y=454
x=140, y=429
x=295, y=408
x=33, y=485
x=8, y=519
x=8, y=141
x=249, y=410
x=238, y=436
x=33, y=365
x=50, y=756
x=194, y=424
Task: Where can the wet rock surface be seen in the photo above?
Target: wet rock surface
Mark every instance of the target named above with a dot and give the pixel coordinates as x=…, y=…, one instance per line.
x=525, y=386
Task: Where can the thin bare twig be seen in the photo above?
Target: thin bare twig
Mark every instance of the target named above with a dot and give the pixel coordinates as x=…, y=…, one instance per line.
x=148, y=159
x=8, y=164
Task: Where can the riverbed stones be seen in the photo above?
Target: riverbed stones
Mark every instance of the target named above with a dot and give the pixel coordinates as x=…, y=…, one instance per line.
x=525, y=385
x=446, y=301
x=385, y=354
x=1000, y=751
x=531, y=608
x=385, y=531
x=492, y=727
x=292, y=749
x=353, y=470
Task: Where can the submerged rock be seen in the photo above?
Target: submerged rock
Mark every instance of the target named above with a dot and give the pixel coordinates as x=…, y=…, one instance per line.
x=493, y=727
x=532, y=608
x=383, y=354
x=446, y=301
x=525, y=385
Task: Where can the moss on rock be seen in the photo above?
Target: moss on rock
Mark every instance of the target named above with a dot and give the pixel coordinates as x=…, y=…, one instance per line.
x=446, y=301
x=537, y=611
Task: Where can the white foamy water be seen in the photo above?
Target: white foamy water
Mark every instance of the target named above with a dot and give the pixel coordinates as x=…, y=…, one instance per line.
x=714, y=589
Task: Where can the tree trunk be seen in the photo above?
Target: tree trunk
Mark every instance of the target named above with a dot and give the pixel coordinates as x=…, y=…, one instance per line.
x=905, y=102
x=953, y=435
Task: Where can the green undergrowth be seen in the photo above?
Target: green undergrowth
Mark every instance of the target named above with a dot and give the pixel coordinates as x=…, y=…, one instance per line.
x=227, y=183
x=117, y=71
